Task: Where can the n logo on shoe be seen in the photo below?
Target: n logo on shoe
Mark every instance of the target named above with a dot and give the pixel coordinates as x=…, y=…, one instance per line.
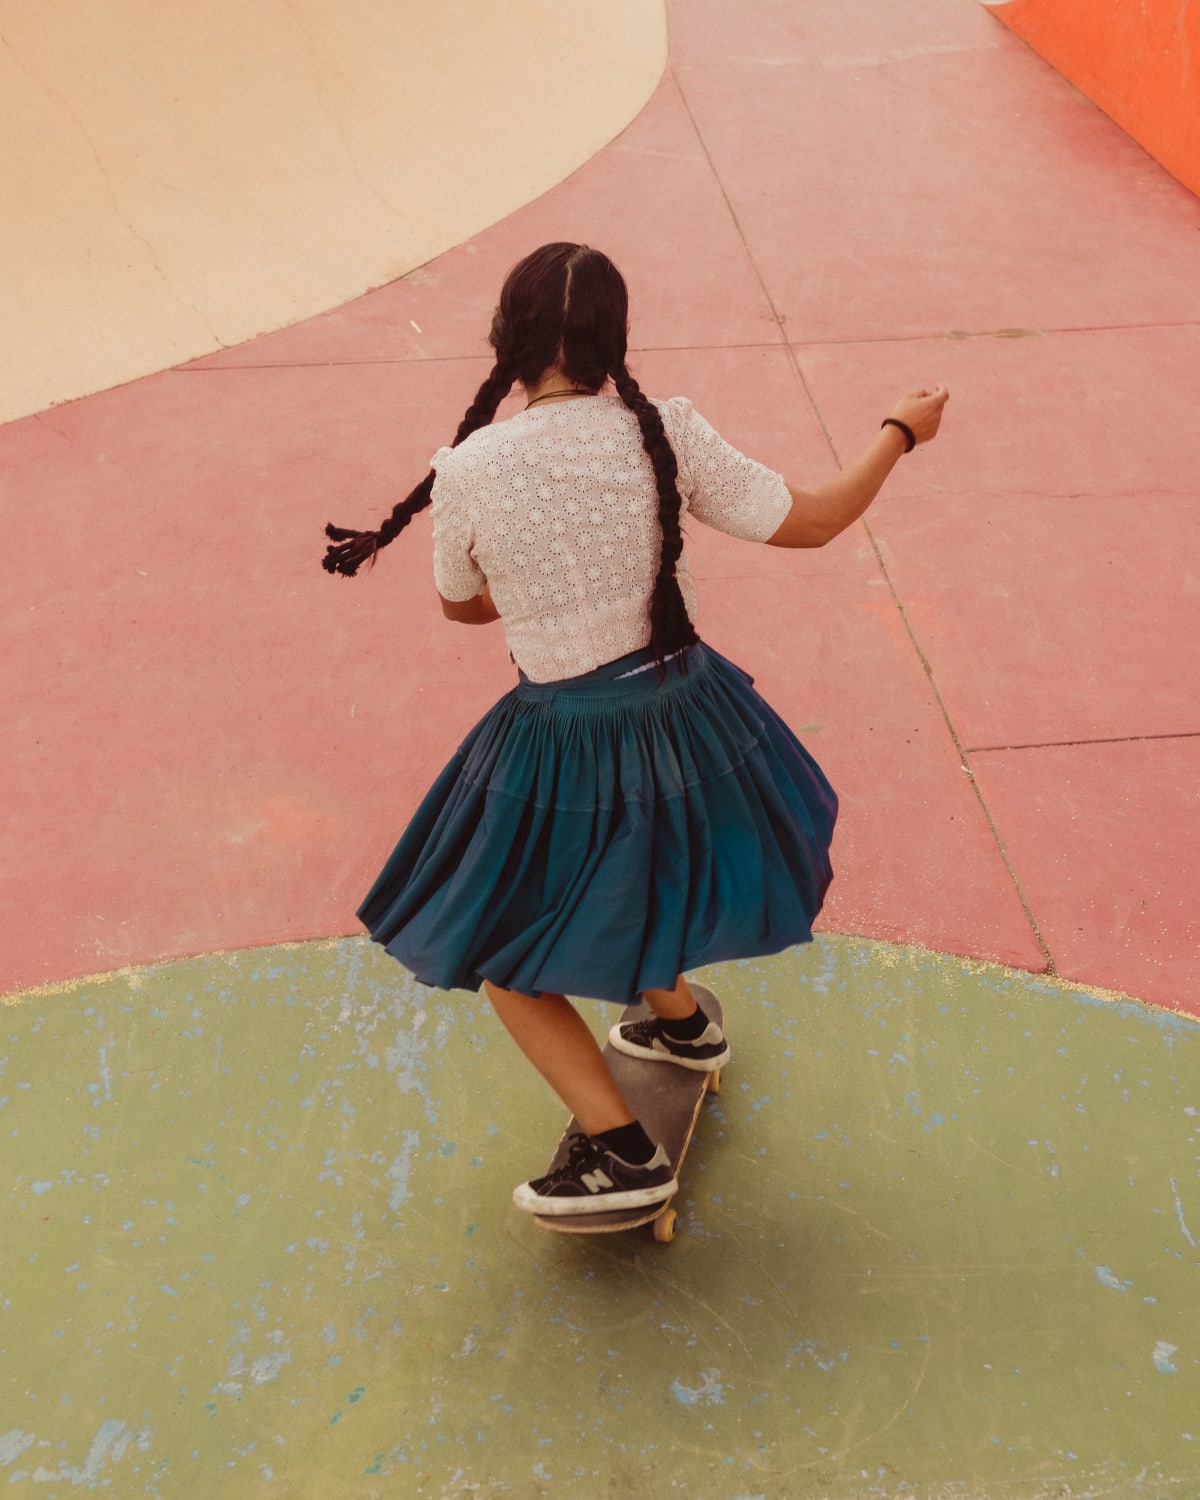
x=595, y=1182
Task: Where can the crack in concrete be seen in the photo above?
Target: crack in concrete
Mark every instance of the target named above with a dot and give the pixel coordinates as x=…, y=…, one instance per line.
x=119, y=211
x=329, y=113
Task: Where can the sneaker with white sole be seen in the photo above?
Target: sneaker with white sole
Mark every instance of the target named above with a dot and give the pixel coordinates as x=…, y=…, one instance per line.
x=594, y=1180
x=647, y=1039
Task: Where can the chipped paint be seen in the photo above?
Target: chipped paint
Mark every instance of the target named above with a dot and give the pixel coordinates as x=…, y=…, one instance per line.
x=1162, y=1358
x=710, y=1391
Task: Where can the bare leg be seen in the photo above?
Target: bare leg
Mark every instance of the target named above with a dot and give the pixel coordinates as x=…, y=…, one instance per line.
x=671, y=1005
x=558, y=1042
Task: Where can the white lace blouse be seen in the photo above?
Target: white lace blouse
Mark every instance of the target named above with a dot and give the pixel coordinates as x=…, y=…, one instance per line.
x=557, y=510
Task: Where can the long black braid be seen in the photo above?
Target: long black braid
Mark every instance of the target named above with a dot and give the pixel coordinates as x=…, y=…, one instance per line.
x=348, y=550
x=595, y=315
x=563, y=305
x=671, y=627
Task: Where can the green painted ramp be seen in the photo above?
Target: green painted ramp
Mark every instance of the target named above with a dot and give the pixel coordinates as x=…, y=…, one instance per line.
x=938, y=1239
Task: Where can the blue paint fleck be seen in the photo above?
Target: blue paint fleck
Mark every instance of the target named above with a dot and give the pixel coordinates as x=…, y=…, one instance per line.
x=1162, y=1358
x=399, y=1171
x=710, y=1391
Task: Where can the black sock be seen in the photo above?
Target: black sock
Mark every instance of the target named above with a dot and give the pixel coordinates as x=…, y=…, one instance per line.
x=629, y=1142
x=688, y=1029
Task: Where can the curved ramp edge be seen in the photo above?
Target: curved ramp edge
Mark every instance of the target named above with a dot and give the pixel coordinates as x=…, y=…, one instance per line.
x=185, y=177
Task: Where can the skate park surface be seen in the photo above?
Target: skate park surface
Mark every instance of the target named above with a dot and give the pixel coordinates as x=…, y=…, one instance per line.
x=938, y=1229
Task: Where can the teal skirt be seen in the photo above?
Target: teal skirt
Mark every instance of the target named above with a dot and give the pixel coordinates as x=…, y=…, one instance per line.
x=601, y=835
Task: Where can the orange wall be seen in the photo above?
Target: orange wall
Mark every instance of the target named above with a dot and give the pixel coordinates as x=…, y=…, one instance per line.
x=1139, y=60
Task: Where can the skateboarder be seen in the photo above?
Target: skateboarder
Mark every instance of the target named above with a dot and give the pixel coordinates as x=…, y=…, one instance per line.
x=631, y=809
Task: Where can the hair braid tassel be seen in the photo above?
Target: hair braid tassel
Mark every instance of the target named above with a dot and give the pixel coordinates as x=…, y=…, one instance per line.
x=354, y=548
x=349, y=549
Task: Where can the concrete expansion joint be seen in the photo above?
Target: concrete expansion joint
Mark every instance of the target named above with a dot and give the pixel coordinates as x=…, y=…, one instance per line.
x=1113, y=739
x=956, y=738
x=964, y=335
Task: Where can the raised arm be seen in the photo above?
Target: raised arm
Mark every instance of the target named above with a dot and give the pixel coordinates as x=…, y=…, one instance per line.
x=820, y=514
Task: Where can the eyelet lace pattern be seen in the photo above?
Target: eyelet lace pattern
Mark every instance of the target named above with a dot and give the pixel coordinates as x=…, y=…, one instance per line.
x=557, y=510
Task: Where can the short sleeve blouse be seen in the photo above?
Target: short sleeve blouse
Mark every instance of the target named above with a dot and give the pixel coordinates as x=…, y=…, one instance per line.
x=556, y=510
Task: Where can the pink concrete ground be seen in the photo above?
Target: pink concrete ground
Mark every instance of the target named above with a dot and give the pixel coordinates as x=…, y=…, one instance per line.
x=211, y=744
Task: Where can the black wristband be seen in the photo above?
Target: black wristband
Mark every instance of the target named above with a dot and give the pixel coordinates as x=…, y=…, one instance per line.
x=909, y=437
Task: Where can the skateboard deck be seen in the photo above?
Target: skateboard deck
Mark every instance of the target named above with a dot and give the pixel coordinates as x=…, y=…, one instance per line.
x=667, y=1100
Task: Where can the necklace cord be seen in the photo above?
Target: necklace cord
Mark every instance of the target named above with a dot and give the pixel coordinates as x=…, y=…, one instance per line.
x=574, y=391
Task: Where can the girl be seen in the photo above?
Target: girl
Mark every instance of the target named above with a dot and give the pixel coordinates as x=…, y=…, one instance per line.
x=632, y=808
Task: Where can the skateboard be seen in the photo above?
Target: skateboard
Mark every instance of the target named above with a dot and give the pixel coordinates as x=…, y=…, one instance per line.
x=667, y=1100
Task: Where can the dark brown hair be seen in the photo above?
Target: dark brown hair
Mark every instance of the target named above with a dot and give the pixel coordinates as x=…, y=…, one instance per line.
x=564, y=305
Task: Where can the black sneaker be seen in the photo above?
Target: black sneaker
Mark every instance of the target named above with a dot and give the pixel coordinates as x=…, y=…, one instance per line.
x=594, y=1180
x=647, y=1039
